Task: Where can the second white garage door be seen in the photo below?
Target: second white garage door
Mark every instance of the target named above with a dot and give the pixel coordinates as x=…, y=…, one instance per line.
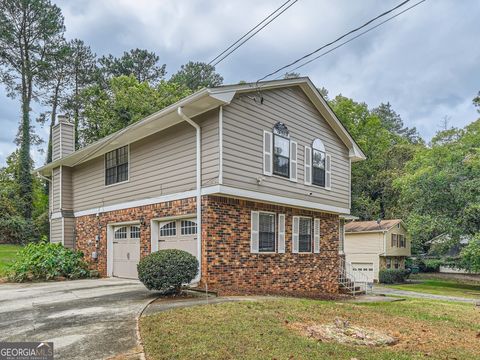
x=178, y=234
x=361, y=271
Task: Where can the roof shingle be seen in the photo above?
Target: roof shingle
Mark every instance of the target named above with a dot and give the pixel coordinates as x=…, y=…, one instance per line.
x=360, y=226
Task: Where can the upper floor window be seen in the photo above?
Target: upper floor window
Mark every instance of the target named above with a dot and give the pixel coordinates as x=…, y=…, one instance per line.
x=281, y=150
x=116, y=166
x=318, y=163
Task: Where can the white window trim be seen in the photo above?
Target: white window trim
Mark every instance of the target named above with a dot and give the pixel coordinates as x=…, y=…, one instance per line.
x=274, y=229
x=311, y=234
x=105, y=168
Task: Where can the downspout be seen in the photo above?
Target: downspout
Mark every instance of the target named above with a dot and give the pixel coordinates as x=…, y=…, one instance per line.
x=198, y=188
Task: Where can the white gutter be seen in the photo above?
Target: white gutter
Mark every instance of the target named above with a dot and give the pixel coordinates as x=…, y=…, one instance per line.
x=198, y=188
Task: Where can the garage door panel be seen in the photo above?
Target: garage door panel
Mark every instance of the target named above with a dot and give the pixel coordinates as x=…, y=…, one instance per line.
x=362, y=271
x=180, y=234
x=126, y=251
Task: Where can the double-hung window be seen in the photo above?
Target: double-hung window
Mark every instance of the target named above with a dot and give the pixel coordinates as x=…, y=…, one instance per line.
x=281, y=150
x=266, y=232
x=305, y=235
x=116, y=166
x=318, y=163
x=394, y=240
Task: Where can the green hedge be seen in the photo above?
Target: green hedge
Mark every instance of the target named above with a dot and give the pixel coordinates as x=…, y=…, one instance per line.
x=393, y=276
x=430, y=265
x=167, y=270
x=46, y=261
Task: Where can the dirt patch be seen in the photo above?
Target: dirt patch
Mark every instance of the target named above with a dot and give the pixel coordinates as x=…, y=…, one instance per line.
x=341, y=331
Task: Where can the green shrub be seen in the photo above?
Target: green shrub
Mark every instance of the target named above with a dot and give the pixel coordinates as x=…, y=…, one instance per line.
x=167, y=270
x=46, y=261
x=430, y=265
x=393, y=276
x=470, y=255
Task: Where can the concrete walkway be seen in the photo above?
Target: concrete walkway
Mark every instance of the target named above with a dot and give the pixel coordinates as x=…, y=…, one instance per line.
x=382, y=290
x=85, y=319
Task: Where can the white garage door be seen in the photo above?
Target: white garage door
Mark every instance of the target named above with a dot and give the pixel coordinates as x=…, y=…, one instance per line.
x=178, y=234
x=362, y=271
x=126, y=251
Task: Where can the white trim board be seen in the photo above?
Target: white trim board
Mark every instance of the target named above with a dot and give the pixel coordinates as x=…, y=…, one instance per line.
x=219, y=190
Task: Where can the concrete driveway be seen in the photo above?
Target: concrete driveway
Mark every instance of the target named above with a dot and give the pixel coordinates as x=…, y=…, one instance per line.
x=85, y=319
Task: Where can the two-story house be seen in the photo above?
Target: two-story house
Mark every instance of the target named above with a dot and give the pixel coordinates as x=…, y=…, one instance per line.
x=249, y=179
x=371, y=246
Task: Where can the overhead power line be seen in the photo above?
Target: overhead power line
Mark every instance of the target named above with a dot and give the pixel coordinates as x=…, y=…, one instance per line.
x=242, y=40
x=334, y=41
x=250, y=31
x=355, y=37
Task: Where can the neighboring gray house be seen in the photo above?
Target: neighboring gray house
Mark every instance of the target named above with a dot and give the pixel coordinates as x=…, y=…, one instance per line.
x=270, y=166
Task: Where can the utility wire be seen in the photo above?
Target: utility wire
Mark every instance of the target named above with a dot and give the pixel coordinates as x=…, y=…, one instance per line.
x=355, y=37
x=120, y=132
x=252, y=35
x=334, y=41
x=249, y=32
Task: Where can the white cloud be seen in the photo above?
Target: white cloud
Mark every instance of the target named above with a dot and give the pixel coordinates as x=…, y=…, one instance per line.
x=424, y=62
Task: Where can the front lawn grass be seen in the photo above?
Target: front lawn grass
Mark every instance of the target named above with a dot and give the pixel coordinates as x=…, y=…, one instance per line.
x=443, y=287
x=7, y=255
x=260, y=330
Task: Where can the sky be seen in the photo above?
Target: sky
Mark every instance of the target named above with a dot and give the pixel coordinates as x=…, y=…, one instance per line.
x=424, y=62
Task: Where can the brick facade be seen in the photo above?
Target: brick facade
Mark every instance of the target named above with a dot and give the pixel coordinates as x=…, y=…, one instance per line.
x=228, y=266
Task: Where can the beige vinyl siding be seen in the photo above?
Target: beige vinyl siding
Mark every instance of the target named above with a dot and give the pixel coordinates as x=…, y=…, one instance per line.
x=56, y=230
x=244, y=123
x=396, y=251
x=56, y=186
x=56, y=143
x=161, y=164
x=68, y=139
x=67, y=196
x=364, y=243
x=69, y=230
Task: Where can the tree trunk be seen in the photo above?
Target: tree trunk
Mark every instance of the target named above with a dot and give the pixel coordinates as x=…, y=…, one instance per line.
x=25, y=176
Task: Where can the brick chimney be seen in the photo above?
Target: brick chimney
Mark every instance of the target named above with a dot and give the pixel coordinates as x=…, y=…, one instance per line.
x=63, y=138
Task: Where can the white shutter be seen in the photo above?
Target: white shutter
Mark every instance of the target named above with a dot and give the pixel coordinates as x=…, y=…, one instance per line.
x=281, y=233
x=293, y=161
x=267, y=153
x=295, y=231
x=254, y=232
x=316, y=236
x=308, y=166
x=328, y=172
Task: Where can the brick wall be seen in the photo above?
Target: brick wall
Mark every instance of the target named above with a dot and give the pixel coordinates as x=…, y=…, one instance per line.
x=87, y=227
x=229, y=267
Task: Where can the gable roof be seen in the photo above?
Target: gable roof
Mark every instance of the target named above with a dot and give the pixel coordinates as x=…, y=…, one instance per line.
x=198, y=103
x=371, y=226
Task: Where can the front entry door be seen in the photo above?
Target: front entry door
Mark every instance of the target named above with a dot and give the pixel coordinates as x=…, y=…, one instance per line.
x=126, y=251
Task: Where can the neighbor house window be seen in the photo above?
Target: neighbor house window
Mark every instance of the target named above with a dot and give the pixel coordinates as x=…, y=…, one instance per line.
x=168, y=229
x=266, y=232
x=389, y=263
x=401, y=241
x=188, y=227
x=305, y=235
x=318, y=163
x=394, y=240
x=116, y=166
x=397, y=263
x=281, y=150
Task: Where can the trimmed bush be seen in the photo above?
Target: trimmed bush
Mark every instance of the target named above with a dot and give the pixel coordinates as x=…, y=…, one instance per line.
x=167, y=270
x=46, y=261
x=430, y=265
x=393, y=276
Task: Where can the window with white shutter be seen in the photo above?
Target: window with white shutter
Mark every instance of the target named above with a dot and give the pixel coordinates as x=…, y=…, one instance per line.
x=254, y=232
x=305, y=235
x=316, y=236
x=295, y=233
x=328, y=172
x=308, y=166
x=281, y=150
x=267, y=153
x=281, y=233
x=266, y=232
x=293, y=161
